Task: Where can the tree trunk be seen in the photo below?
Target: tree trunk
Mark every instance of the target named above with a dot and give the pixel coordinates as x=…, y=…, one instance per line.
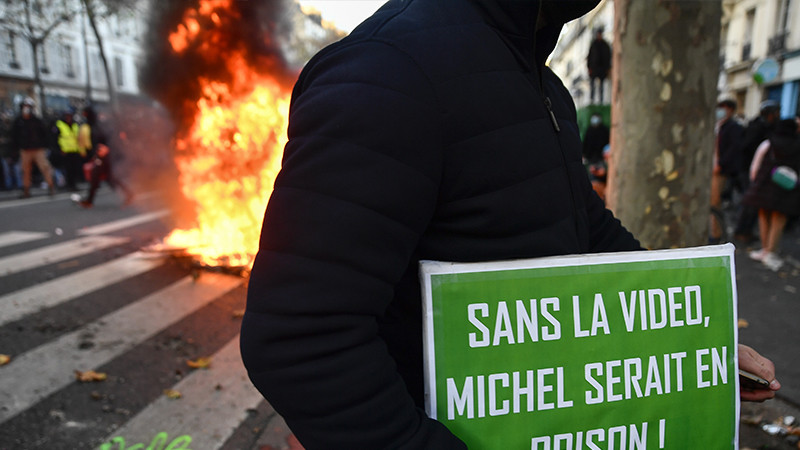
x=35, y=42
x=665, y=70
x=112, y=90
x=86, y=57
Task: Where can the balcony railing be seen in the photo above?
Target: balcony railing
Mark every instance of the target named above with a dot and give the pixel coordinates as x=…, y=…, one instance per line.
x=776, y=44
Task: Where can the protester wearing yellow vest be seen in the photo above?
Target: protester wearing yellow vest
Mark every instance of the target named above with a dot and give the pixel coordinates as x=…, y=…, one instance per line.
x=74, y=153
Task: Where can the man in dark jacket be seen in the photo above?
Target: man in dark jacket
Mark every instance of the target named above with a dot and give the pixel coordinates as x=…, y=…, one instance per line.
x=599, y=63
x=29, y=136
x=727, y=159
x=434, y=131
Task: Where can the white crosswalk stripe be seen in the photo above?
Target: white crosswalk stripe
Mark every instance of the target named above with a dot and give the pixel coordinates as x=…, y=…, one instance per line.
x=213, y=402
x=48, y=368
x=21, y=237
x=122, y=223
x=20, y=303
x=57, y=252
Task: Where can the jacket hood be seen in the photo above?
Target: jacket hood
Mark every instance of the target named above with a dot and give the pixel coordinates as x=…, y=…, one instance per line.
x=518, y=21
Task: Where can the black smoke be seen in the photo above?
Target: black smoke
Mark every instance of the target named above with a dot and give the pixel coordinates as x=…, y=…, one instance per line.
x=250, y=27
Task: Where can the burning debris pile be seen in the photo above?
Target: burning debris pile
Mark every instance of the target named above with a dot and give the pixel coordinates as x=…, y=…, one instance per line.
x=217, y=66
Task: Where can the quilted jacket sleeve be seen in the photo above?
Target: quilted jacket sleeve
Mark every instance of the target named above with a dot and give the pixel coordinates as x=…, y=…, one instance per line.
x=358, y=186
x=606, y=231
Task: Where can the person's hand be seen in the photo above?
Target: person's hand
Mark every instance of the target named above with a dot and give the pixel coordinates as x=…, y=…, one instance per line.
x=751, y=361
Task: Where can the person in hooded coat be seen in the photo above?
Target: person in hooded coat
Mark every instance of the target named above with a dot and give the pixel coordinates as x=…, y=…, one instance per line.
x=433, y=131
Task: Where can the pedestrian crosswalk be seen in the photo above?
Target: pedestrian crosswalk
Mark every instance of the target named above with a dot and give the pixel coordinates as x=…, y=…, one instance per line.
x=20, y=237
x=54, y=292
x=122, y=223
x=188, y=314
x=111, y=336
x=57, y=252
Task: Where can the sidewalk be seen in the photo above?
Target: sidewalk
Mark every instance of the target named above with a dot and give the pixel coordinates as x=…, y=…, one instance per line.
x=769, y=313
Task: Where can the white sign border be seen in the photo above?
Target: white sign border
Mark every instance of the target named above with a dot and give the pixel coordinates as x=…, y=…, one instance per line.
x=429, y=268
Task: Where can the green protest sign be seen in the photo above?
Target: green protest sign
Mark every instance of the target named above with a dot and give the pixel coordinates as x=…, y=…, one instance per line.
x=628, y=351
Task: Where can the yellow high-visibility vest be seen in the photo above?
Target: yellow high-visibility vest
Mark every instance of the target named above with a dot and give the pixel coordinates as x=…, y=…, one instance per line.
x=68, y=137
x=85, y=138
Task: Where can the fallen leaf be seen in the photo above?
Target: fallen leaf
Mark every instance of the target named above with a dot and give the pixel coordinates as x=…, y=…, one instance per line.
x=4, y=359
x=743, y=323
x=199, y=363
x=752, y=420
x=69, y=264
x=172, y=393
x=90, y=375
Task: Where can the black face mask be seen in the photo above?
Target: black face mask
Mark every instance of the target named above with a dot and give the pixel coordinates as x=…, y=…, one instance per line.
x=562, y=11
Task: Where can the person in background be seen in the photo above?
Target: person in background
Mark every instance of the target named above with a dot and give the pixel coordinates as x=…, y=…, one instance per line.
x=599, y=63
x=101, y=163
x=727, y=160
x=758, y=130
x=595, y=141
x=67, y=131
x=433, y=131
x=774, y=203
x=596, y=138
x=85, y=131
x=9, y=156
x=29, y=136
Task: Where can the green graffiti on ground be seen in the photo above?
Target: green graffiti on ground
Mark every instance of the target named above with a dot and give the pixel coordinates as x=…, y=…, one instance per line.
x=159, y=442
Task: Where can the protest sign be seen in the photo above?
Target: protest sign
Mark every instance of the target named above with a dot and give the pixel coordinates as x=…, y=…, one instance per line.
x=634, y=350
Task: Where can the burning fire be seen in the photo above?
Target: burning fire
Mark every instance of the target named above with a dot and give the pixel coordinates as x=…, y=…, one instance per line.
x=229, y=155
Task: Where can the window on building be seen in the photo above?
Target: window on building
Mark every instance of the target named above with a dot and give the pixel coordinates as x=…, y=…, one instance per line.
x=67, y=64
x=777, y=42
x=747, y=45
x=10, y=50
x=43, y=67
x=741, y=98
x=118, y=70
x=115, y=27
x=96, y=67
x=724, y=46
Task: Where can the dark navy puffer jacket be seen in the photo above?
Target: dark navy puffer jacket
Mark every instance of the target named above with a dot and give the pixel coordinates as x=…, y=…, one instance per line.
x=423, y=135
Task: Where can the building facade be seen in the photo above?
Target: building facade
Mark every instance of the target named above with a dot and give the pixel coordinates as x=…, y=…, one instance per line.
x=69, y=59
x=760, y=55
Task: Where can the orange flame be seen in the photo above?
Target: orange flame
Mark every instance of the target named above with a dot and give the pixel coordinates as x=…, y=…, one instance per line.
x=230, y=155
